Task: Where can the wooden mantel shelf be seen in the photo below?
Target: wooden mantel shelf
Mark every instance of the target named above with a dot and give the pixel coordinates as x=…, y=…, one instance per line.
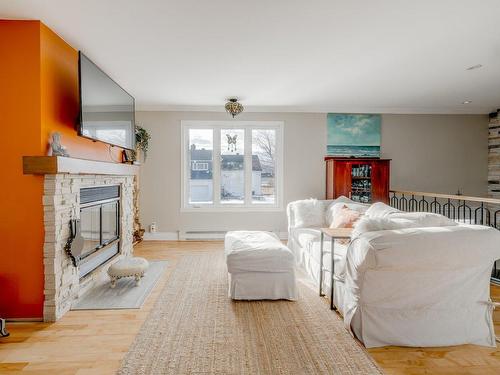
x=61, y=164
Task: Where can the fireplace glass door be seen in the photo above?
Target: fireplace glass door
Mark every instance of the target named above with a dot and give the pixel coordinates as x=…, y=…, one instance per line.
x=100, y=226
x=90, y=222
x=109, y=213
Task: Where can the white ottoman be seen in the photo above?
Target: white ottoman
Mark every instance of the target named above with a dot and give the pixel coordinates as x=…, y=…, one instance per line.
x=259, y=266
x=128, y=267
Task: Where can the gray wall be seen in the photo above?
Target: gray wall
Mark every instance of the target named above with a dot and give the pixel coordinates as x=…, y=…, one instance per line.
x=437, y=153
x=434, y=153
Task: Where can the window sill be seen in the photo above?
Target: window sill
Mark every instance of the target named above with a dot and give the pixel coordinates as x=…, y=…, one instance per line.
x=239, y=209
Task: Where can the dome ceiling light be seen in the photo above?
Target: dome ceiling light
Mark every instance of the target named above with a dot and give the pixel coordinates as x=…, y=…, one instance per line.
x=233, y=107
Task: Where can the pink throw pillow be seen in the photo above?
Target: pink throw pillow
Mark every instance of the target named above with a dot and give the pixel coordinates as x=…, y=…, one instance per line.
x=345, y=218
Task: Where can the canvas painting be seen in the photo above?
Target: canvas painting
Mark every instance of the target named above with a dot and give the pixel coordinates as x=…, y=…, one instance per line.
x=355, y=135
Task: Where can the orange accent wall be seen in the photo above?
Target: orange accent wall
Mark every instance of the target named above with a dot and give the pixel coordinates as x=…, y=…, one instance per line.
x=21, y=213
x=38, y=95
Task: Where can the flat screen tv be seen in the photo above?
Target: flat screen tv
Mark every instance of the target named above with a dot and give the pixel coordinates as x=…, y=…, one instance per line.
x=107, y=111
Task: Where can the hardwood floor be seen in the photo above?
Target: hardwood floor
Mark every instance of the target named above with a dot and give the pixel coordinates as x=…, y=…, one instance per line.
x=94, y=342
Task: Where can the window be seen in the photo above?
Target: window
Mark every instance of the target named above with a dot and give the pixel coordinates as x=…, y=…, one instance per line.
x=232, y=165
x=201, y=151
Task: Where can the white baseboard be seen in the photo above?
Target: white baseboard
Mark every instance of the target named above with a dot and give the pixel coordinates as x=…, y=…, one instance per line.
x=22, y=320
x=176, y=236
x=161, y=236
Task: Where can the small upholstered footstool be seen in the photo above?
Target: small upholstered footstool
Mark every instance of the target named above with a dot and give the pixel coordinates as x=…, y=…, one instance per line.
x=128, y=267
x=260, y=266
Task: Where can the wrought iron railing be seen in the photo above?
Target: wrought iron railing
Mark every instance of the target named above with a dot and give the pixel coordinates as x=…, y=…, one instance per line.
x=461, y=208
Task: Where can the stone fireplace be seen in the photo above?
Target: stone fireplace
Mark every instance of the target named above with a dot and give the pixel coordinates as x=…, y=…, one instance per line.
x=106, y=225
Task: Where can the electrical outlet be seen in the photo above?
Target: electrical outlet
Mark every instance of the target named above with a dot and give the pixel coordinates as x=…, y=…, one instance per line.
x=152, y=227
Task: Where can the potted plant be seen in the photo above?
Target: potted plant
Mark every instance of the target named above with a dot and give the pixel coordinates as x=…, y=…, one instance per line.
x=142, y=138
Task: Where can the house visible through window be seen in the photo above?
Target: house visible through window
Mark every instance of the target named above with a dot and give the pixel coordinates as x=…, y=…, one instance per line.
x=232, y=165
x=197, y=166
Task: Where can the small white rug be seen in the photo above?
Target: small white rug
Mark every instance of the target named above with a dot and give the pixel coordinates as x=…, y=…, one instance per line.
x=126, y=295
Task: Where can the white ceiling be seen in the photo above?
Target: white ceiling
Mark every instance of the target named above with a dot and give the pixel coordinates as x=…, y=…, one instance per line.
x=390, y=56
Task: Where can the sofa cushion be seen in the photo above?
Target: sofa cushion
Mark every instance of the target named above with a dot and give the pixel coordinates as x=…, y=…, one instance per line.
x=309, y=241
x=423, y=219
x=401, y=220
x=309, y=213
x=380, y=209
x=305, y=236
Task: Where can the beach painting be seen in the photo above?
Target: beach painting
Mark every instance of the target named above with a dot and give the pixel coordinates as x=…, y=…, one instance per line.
x=356, y=135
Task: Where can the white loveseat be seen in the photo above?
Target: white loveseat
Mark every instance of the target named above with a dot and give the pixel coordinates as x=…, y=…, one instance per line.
x=408, y=279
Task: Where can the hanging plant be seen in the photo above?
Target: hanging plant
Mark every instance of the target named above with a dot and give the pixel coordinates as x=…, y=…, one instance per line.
x=142, y=138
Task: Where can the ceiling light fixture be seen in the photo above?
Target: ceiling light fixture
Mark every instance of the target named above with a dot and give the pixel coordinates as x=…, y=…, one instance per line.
x=233, y=107
x=467, y=102
x=473, y=67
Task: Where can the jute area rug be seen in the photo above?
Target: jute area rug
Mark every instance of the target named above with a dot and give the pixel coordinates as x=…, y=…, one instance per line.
x=196, y=329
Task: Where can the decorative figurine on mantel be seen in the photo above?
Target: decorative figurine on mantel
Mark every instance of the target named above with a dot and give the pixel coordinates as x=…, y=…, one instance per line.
x=57, y=148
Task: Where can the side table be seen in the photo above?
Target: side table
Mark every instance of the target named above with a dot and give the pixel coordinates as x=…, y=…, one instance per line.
x=334, y=234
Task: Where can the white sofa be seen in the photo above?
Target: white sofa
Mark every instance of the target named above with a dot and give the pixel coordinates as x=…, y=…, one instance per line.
x=408, y=279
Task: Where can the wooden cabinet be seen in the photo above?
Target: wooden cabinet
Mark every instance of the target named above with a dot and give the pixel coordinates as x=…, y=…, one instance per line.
x=363, y=180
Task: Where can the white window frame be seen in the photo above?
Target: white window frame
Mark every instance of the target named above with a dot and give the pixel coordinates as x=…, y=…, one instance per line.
x=217, y=206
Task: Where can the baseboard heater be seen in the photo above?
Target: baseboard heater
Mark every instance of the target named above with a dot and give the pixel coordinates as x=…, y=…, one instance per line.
x=212, y=235
x=205, y=235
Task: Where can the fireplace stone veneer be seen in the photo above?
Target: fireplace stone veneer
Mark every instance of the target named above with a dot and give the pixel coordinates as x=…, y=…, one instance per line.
x=61, y=203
